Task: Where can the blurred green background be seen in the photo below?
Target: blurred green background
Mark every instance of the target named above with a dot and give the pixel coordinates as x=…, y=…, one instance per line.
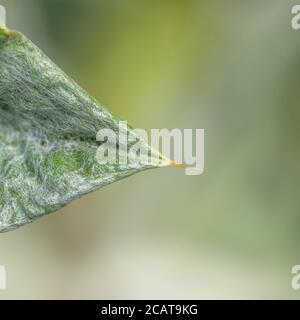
x=230, y=67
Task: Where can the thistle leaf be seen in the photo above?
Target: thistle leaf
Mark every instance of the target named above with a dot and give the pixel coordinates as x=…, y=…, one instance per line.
x=48, y=128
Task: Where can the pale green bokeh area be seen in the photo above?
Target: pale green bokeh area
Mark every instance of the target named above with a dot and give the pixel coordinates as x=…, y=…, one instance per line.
x=230, y=67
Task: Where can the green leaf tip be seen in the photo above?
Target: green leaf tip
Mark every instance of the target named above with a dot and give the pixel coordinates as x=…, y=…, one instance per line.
x=48, y=128
x=4, y=31
x=4, y=34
